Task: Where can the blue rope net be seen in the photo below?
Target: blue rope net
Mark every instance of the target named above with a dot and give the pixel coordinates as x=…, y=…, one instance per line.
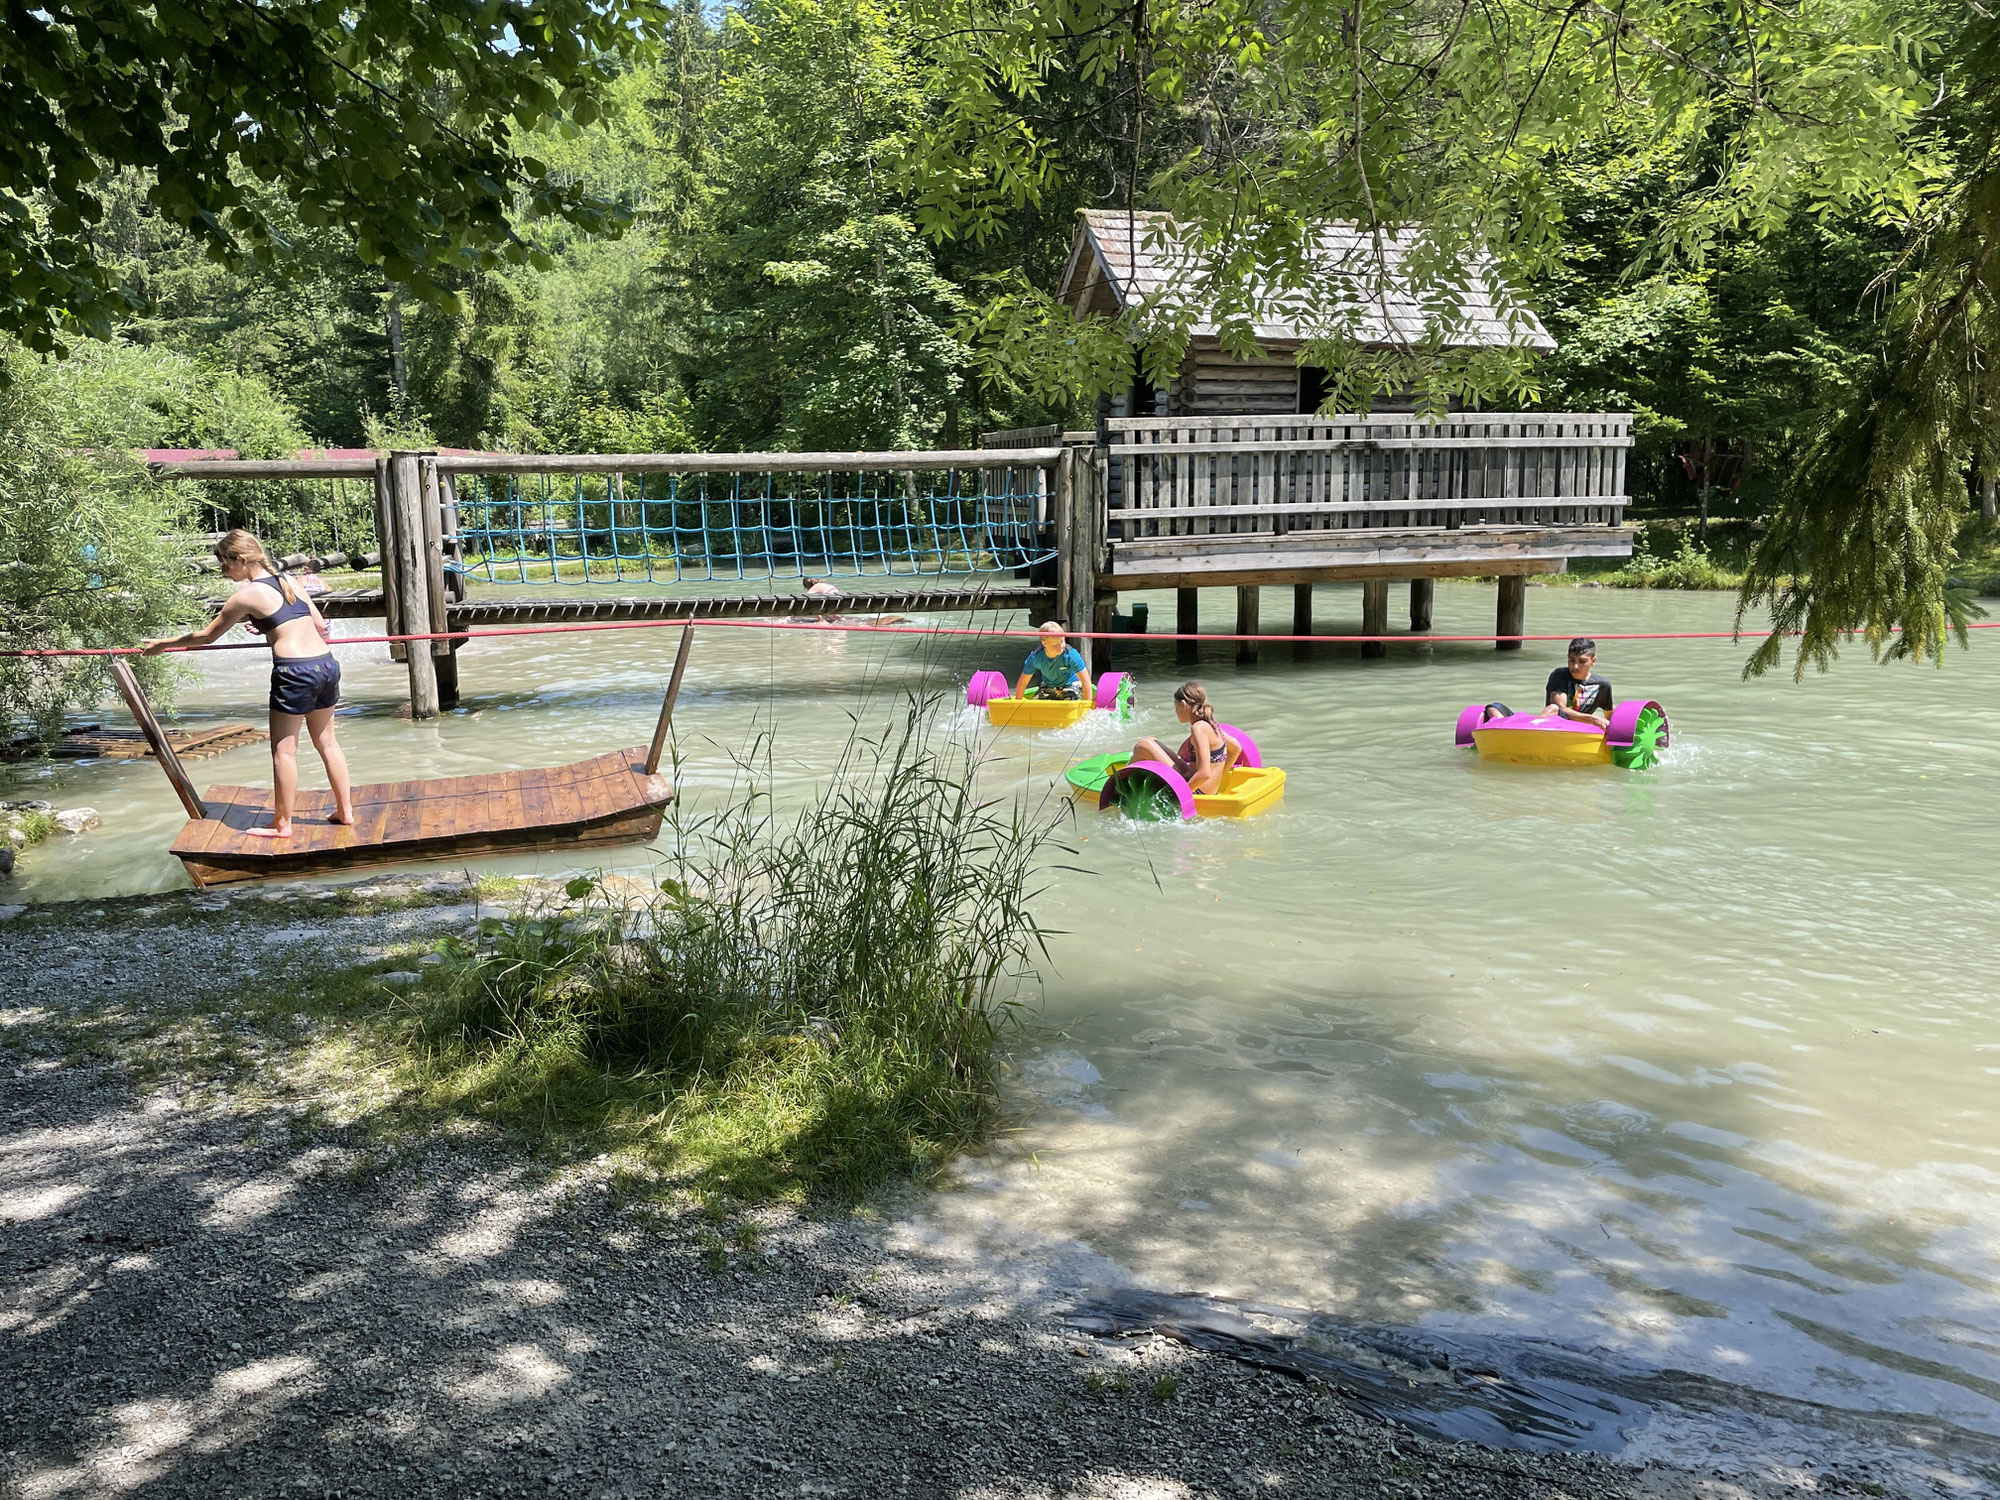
x=748, y=527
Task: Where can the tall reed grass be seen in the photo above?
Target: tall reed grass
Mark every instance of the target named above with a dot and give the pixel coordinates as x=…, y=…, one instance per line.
x=810, y=1003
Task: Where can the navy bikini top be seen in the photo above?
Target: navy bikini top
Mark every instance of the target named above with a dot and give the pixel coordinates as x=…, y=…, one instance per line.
x=1215, y=756
x=269, y=623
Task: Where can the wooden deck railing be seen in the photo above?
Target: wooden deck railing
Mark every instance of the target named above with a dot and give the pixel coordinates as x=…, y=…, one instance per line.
x=1216, y=476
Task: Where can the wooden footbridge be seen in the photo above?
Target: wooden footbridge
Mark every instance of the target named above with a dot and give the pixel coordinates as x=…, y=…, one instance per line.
x=1040, y=522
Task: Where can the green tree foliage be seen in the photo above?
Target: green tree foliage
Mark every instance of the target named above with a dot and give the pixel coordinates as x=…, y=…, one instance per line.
x=1864, y=539
x=821, y=317
x=393, y=121
x=1729, y=366
x=89, y=554
x=1440, y=120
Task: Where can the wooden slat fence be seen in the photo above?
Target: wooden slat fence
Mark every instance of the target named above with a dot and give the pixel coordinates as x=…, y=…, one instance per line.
x=1217, y=476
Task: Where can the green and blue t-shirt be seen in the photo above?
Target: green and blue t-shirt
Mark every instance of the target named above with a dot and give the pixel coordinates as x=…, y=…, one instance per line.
x=1053, y=671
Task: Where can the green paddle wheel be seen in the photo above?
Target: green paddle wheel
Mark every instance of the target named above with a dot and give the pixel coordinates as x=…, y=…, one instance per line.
x=1649, y=738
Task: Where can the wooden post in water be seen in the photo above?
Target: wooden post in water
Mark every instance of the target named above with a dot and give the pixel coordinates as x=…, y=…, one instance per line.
x=1248, y=621
x=1302, y=609
x=1062, y=520
x=163, y=749
x=385, y=547
x=444, y=654
x=1375, y=616
x=1422, y=592
x=406, y=520
x=1187, y=621
x=659, y=744
x=1511, y=618
x=1086, y=537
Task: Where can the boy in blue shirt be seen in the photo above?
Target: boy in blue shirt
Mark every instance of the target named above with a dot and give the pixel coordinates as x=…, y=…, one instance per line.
x=1055, y=668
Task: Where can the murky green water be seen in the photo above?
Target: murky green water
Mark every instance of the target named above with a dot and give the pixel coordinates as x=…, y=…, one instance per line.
x=1697, y=1064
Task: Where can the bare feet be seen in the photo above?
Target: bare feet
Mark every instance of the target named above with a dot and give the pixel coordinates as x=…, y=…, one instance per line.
x=346, y=818
x=275, y=831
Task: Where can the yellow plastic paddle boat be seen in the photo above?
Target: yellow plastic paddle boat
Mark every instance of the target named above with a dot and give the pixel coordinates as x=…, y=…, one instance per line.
x=1148, y=789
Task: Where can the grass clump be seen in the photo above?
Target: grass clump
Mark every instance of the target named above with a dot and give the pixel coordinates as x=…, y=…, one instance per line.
x=34, y=826
x=809, y=1005
x=1688, y=566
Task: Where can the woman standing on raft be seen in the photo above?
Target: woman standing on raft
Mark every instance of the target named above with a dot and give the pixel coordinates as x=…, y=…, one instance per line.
x=305, y=678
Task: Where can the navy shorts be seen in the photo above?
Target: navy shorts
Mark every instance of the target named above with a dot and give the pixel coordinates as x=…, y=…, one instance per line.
x=304, y=686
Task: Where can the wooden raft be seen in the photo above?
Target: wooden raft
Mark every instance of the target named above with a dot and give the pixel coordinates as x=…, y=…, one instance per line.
x=594, y=803
x=95, y=742
x=613, y=799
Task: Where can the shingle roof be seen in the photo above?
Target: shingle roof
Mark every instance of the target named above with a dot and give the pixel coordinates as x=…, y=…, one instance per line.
x=1351, y=291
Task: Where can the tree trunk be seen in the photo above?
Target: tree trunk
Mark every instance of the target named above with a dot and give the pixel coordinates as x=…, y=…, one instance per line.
x=399, y=372
x=1707, y=484
x=1989, y=510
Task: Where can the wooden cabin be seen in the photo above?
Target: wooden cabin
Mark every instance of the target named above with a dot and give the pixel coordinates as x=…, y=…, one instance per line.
x=1120, y=260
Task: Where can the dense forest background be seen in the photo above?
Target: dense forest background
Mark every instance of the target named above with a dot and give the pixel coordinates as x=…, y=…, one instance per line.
x=774, y=290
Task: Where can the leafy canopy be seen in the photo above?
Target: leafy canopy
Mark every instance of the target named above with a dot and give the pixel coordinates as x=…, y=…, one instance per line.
x=1251, y=122
x=393, y=121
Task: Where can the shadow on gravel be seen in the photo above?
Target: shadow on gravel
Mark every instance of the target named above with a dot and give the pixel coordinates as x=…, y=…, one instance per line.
x=184, y=1311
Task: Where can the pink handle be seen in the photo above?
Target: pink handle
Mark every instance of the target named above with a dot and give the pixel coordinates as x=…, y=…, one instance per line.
x=1469, y=719
x=1166, y=775
x=1249, y=759
x=1625, y=719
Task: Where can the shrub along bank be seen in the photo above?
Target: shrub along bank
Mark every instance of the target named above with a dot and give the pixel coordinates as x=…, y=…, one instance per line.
x=810, y=1002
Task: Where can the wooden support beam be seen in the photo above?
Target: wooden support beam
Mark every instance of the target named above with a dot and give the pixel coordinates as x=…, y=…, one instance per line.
x=431, y=515
x=1103, y=620
x=1423, y=592
x=1247, y=622
x=1375, y=616
x=163, y=748
x=385, y=545
x=1080, y=561
x=412, y=572
x=659, y=744
x=1187, y=621
x=1511, y=618
x=1302, y=609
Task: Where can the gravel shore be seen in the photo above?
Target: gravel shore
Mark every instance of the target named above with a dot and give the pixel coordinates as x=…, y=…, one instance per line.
x=240, y=1286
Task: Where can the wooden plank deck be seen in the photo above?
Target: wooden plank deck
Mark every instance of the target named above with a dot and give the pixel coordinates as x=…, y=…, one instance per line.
x=593, y=803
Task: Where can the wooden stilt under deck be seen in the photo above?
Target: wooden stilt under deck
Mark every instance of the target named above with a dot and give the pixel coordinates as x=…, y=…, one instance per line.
x=1247, y=622
x=1511, y=618
x=1187, y=621
x=1375, y=616
x=1422, y=592
x=1302, y=609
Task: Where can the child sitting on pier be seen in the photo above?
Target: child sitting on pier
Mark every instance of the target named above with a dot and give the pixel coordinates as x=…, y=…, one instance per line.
x=1574, y=691
x=1204, y=757
x=1055, y=667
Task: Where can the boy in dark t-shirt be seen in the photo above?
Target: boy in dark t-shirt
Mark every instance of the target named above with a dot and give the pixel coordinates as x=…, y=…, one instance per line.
x=1576, y=691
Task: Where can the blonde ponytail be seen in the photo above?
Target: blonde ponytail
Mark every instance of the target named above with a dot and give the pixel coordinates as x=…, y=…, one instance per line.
x=240, y=546
x=1196, y=699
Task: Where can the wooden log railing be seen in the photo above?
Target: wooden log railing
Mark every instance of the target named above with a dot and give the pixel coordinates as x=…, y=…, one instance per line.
x=1222, y=476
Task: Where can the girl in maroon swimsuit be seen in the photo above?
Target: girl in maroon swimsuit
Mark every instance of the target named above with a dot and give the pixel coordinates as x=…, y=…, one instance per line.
x=1206, y=755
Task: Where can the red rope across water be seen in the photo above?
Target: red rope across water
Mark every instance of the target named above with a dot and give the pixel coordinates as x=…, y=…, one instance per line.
x=1025, y=633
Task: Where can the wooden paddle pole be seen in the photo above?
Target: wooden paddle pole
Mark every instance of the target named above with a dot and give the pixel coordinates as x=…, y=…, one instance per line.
x=163, y=749
x=659, y=744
